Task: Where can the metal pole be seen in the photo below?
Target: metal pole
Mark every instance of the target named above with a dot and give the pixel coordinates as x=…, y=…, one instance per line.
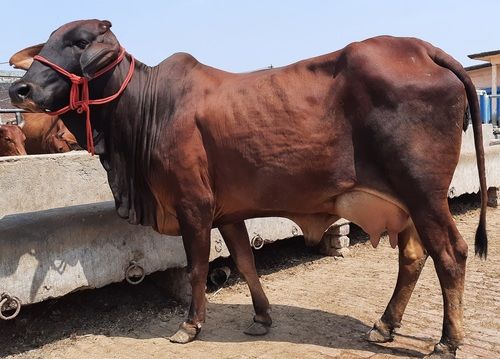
x=19, y=118
x=11, y=110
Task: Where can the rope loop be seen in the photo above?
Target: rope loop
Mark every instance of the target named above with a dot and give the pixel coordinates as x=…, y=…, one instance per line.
x=79, y=98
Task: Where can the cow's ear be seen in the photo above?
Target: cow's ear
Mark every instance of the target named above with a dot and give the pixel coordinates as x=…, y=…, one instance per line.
x=24, y=58
x=97, y=56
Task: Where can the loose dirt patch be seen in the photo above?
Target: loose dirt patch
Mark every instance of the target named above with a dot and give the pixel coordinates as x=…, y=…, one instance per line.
x=321, y=308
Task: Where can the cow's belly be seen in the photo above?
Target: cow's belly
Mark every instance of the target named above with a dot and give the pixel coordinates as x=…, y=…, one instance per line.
x=374, y=212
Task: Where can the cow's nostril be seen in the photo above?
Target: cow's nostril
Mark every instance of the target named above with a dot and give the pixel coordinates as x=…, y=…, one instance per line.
x=19, y=91
x=23, y=90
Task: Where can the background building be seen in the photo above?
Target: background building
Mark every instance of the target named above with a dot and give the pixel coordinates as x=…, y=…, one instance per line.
x=486, y=79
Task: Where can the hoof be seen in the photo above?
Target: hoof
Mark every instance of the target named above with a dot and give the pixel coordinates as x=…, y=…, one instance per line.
x=258, y=327
x=442, y=351
x=186, y=333
x=379, y=334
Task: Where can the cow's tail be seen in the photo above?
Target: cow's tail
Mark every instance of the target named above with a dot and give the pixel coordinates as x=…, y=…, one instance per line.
x=444, y=60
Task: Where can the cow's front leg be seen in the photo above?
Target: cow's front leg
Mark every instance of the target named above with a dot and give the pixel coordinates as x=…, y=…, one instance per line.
x=195, y=224
x=236, y=237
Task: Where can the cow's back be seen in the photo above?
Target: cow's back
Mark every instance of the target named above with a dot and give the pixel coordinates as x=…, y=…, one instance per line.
x=47, y=134
x=36, y=128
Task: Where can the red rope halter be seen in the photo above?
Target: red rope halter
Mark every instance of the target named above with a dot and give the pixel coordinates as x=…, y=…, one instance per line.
x=79, y=100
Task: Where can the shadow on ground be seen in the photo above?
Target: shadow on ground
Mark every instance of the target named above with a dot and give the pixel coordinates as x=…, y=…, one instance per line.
x=143, y=312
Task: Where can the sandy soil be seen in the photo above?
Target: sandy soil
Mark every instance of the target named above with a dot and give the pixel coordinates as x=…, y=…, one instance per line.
x=321, y=308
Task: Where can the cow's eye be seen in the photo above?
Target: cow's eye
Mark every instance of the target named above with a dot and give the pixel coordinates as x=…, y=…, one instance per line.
x=82, y=44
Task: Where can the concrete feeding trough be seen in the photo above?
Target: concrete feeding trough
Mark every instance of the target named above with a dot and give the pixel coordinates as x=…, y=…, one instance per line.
x=59, y=231
x=465, y=179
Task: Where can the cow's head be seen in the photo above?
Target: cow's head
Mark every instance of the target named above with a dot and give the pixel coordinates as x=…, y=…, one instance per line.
x=11, y=140
x=62, y=140
x=80, y=47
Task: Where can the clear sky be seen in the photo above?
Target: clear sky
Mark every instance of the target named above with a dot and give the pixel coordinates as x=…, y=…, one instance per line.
x=247, y=35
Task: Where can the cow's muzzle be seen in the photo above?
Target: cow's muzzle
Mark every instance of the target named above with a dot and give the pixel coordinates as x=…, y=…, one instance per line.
x=21, y=95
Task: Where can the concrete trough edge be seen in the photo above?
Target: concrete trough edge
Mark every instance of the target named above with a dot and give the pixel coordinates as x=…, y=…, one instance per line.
x=50, y=253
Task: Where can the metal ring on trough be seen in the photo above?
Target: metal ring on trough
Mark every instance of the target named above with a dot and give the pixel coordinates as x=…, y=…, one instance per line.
x=8, y=299
x=219, y=276
x=133, y=278
x=257, y=242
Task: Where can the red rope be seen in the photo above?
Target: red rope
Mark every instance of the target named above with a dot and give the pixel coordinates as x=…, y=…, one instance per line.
x=79, y=100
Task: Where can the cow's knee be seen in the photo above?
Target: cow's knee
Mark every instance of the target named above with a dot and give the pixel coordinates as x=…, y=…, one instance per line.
x=461, y=249
x=450, y=263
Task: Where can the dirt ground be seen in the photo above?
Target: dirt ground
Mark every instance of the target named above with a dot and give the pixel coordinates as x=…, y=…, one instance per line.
x=321, y=307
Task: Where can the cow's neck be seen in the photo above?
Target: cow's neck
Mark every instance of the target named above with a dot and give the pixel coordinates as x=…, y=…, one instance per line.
x=123, y=132
x=127, y=130
x=128, y=107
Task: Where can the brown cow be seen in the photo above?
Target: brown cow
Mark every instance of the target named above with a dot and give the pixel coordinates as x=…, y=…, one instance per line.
x=371, y=133
x=11, y=141
x=47, y=134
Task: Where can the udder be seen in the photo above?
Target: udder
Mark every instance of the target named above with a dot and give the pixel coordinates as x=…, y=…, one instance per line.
x=374, y=212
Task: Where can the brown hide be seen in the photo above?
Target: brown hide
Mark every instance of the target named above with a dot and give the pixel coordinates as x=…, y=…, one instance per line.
x=11, y=141
x=47, y=134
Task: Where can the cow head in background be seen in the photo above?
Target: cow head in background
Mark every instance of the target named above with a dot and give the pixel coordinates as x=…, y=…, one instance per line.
x=62, y=140
x=80, y=47
x=11, y=141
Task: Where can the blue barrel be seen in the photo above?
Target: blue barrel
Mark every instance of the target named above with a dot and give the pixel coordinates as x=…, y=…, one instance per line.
x=485, y=107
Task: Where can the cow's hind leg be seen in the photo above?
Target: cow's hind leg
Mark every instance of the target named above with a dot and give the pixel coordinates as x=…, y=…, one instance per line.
x=448, y=250
x=412, y=257
x=238, y=243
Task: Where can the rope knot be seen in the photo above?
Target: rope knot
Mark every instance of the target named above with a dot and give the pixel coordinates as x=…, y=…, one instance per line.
x=76, y=79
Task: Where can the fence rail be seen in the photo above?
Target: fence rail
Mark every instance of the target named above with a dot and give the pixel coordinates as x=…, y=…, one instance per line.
x=11, y=110
x=18, y=120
